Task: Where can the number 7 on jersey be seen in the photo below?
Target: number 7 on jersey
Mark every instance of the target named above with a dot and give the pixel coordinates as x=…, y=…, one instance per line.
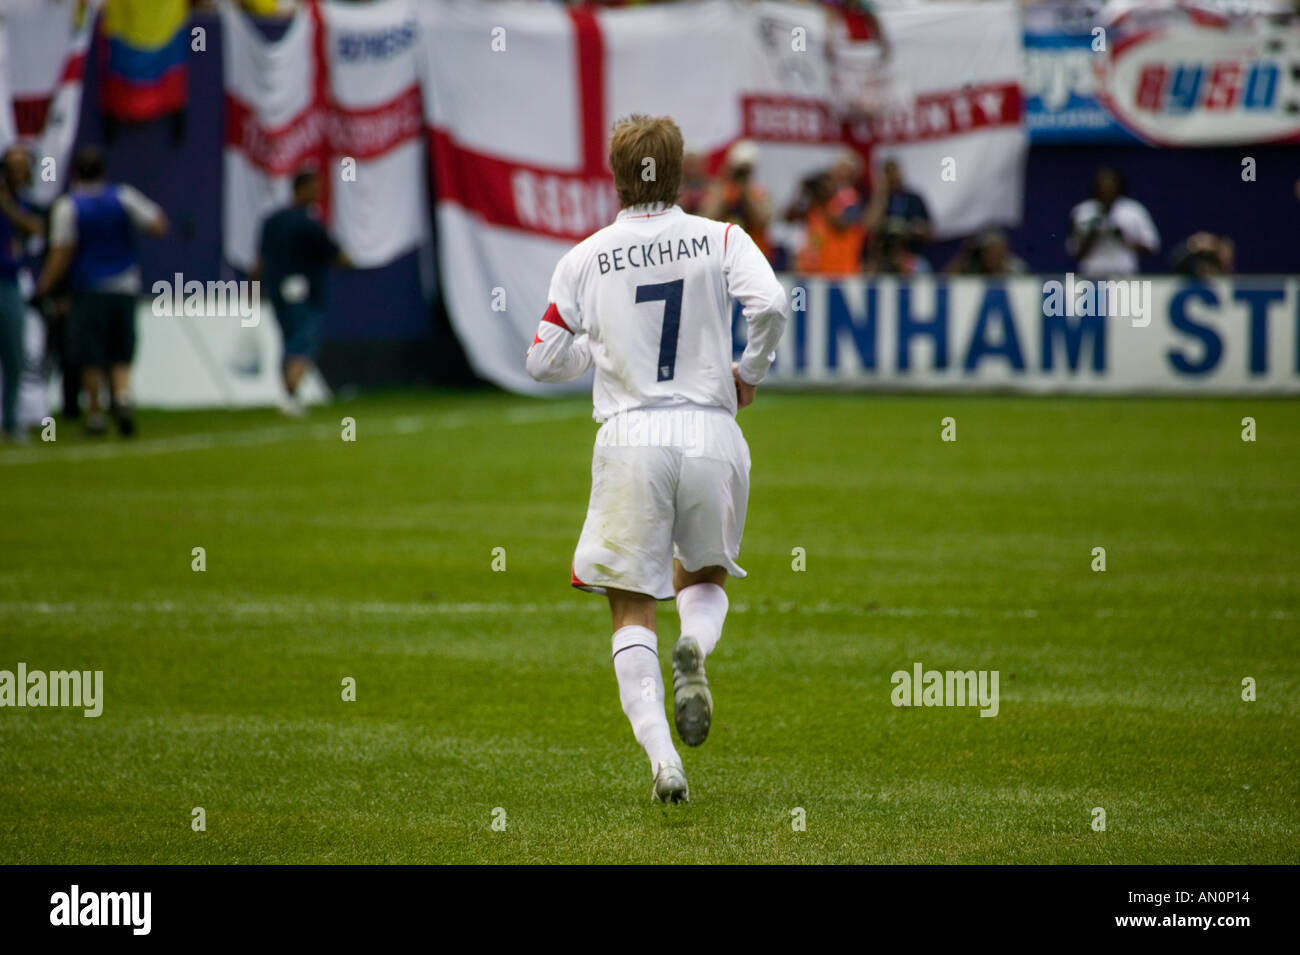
x=670, y=293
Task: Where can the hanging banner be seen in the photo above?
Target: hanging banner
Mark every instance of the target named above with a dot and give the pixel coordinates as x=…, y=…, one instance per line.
x=338, y=92
x=43, y=49
x=520, y=100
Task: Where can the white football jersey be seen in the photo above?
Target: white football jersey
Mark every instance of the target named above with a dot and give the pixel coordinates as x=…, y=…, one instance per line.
x=647, y=300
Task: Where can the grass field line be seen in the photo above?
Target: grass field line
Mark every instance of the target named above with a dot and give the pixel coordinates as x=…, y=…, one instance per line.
x=281, y=434
x=298, y=607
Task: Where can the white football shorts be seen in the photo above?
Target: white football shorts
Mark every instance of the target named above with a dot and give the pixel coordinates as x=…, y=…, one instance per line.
x=665, y=483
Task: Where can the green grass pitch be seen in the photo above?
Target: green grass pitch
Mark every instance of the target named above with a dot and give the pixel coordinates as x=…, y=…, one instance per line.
x=485, y=695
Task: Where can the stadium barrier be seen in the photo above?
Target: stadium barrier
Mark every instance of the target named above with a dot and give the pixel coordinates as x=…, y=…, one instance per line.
x=1031, y=334
x=207, y=361
x=1042, y=334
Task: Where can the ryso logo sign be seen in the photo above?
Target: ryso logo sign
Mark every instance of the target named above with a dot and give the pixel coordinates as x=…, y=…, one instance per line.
x=1202, y=85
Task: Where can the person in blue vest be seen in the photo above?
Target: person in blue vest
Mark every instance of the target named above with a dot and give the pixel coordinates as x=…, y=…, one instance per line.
x=19, y=221
x=92, y=242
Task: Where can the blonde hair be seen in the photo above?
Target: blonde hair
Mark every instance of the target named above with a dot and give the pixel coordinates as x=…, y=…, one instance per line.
x=632, y=141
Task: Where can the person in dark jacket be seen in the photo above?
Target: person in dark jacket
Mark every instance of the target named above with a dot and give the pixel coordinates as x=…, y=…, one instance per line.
x=295, y=254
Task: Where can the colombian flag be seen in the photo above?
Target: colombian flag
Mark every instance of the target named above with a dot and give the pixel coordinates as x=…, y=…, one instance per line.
x=144, y=46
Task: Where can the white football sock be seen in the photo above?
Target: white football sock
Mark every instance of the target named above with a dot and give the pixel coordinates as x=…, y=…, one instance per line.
x=641, y=689
x=703, y=608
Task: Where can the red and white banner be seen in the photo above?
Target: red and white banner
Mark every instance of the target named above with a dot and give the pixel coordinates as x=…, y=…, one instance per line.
x=43, y=46
x=339, y=92
x=950, y=90
x=520, y=98
x=960, y=140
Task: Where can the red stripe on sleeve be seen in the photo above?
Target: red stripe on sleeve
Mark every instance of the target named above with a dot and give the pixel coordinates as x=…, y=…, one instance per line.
x=726, y=232
x=553, y=316
x=859, y=26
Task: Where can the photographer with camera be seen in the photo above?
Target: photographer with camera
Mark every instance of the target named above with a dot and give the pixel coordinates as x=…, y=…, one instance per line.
x=736, y=198
x=1110, y=230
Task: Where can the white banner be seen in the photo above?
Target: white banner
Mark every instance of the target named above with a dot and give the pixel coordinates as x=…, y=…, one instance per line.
x=340, y=92
x=43, y=49
x=962, y=144
x=949, y=97
x=212, y=361
x=1044, y=334
x=520, y=97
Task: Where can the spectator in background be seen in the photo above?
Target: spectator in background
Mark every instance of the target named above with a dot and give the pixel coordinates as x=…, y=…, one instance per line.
x=695, y=183
x=835, y=233
x=890, y=253
x=18, y=222
x=295, y=254
x=988, y=253
x=1110, y=230
x=813, y=192
x=1204, y=255
x=92, y=243
x=735, y=197
x=897, y=208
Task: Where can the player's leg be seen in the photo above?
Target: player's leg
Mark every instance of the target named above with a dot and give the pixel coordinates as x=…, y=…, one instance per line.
x=121, y=354
x=701, y=603
x=625, y=552
x=641, y=689
x=88, y=334
x=295, y=368
x=712, y=498
x=292, y=319
x=13, y=313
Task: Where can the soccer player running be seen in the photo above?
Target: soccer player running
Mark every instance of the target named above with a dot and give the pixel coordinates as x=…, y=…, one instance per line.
x=647, y=301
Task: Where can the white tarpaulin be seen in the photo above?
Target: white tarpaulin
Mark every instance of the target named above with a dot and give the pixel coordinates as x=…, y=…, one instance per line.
x=518, y=136
x=948, y=99
x=340, y=92
x=520, y=97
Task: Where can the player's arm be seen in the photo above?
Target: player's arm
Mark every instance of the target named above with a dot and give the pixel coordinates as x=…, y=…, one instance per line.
x=1139, y=231
x=63, y=245
x=145, y=214
x=557, y=354
x=24, y=220
x=751, y=281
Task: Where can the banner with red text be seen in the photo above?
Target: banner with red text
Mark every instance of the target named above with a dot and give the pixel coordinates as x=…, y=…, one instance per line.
x=947, y=103
x=520, y=98
x=339, y=92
